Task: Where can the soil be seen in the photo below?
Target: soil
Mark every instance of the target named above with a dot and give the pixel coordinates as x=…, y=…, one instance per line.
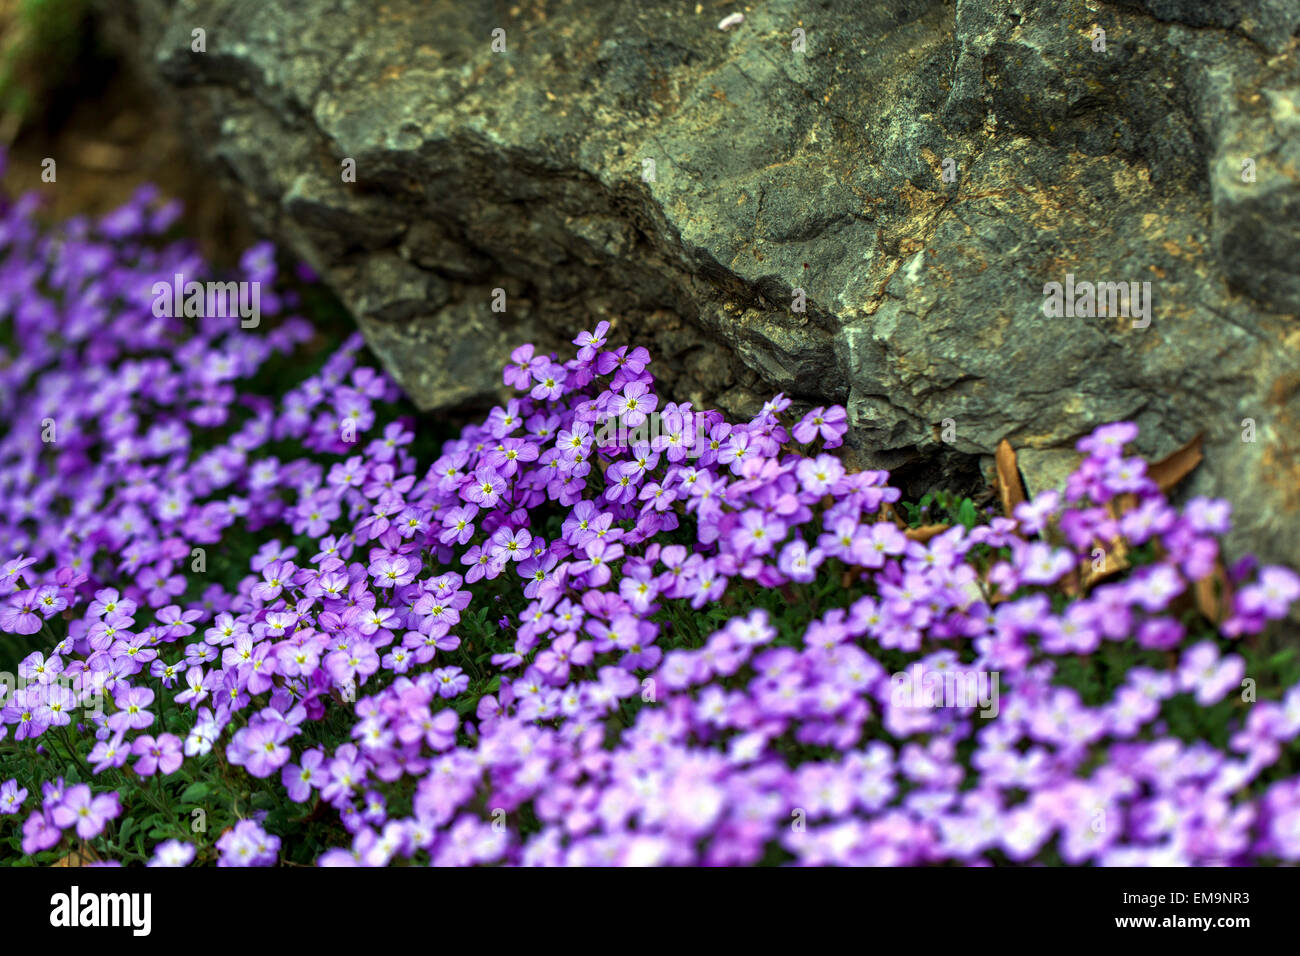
x=108, y=139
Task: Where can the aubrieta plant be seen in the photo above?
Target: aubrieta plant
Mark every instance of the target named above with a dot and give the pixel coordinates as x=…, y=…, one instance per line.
x=545, y=647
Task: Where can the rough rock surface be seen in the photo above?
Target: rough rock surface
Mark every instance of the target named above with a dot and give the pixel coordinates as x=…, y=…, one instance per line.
x=777, y=169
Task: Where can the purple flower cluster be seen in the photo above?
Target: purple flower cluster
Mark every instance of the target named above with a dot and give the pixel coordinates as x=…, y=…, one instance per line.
x=702, y=775
x=74, y=808
x=696, y=649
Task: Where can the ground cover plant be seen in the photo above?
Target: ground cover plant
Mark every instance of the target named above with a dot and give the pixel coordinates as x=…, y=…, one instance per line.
x=259, y=615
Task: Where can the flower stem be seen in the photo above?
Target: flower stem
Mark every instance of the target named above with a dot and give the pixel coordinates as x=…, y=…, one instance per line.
x=72, y=753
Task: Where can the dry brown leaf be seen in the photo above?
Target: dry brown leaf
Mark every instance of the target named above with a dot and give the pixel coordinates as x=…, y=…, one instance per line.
x=1212, y=597
x=925, y=532
x=887, y=513
x=1116, y=550
x=995, y=594
x=1207, y=602
x=1011, y=489
x=1114, y=561
x=1071, y=584
x=1169, y=471
x=77, y=857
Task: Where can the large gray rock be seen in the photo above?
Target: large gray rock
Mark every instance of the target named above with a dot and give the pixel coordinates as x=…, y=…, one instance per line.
x=1170, y=157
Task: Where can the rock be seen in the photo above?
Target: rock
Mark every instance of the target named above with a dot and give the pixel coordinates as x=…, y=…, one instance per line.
x=918, y=172
x=1271, y=23
x=1047, y=467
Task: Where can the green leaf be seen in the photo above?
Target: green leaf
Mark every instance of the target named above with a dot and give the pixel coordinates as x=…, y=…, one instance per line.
x=1280, y=658
x=196, y=792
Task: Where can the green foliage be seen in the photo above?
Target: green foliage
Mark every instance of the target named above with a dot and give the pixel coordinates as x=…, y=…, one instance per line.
x=941, y=508
x=43, y=41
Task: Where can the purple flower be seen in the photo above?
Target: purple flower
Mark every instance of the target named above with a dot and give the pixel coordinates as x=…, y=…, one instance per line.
x=519, y=375
x=550, y=381
x=172, y=853
x=131, y=713
x=1203, y=671
x=276, y=577
x=50, y=601
x=798, y=562
x=450, y=681
x=21, y=614
x=589, y=343
x=39, y=832
x=757, y=533
x=634, y=403
x=259, y=748
x=458, y=524
x=1108, y=441
x=511, y=545
x=88, y=812
x=600, y=555
x=108, y=601
x=1039, y=563
x=11, y=797
x=485, y=488
x=11, y=573
x=299, y=780
x=247, y=844
x=1272, y=595
x=393, y=571
x=829, y=423
x=162, y=755
x=112, y=752
x=818, y=476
